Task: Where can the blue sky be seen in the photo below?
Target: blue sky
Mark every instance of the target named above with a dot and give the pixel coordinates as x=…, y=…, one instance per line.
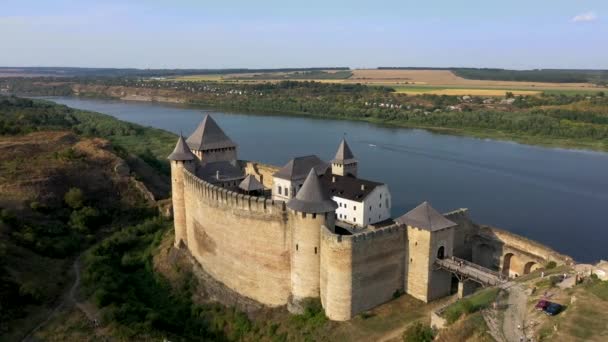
x=271, y=34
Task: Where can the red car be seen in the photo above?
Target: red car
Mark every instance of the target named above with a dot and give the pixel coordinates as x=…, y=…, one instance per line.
x=542, y=305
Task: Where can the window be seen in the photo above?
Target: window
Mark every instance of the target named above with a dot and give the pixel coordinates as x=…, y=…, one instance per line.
x=296, y=246
x=354, y=207
x=354, y=219
x=380, y=196
x=286, y=191
x=314, y=215
x=315, y=250
x=280, y=189
x=369, y=219
x=370, y=207
x=379, y=205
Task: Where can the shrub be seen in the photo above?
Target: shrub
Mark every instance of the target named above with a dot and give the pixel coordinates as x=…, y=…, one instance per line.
x=84, y=219
x=551, y=265
x=419, y=333
x=74, y=198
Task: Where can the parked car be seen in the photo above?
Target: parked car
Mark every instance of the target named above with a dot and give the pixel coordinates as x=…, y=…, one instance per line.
x=542, y=305
x=553, y=309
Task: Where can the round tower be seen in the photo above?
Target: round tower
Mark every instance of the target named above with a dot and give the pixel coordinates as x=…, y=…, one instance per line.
x=181, y=158
x=310, y=210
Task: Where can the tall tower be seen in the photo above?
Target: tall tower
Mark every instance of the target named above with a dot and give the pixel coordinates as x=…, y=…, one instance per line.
x=344, y=163
x=181, y=158
x=430, y=236
x=210, y=144
x=311, y=209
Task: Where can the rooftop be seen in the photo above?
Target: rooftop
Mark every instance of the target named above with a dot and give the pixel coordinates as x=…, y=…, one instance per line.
x=344, y=154
x=209, y=136
x=312, y=197
x=348, y=187
x=299, y=167
x=425, y=217
x=182, y=151
x=250, y=183
x=227, y=170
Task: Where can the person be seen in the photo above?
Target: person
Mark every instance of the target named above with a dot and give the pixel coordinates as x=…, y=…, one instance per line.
x=542, y=274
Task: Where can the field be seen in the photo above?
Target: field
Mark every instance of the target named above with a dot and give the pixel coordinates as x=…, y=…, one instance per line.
x=413, y=82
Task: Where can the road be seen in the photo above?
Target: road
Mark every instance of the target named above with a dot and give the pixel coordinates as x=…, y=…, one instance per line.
x=68, y=300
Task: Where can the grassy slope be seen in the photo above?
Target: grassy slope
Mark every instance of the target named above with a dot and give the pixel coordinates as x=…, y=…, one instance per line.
x=37, y=168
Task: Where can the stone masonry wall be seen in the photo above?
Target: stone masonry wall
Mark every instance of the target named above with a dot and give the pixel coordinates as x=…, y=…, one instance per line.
x=359, y=272
x=262, y=172
x=241, y=241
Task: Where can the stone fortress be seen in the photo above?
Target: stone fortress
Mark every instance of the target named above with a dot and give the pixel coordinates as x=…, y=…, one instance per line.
x=315, y=230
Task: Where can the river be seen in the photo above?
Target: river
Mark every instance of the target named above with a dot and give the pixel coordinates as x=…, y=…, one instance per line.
x=555, y=196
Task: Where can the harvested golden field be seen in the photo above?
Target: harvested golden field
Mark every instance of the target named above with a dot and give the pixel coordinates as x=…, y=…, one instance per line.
x=443, y=77
x=464, y=91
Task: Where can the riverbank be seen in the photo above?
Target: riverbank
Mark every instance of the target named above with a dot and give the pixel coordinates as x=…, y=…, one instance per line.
x=441, y=125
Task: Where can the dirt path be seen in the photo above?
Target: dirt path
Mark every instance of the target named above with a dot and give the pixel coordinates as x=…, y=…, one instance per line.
x=68, y=300
x=513, y=327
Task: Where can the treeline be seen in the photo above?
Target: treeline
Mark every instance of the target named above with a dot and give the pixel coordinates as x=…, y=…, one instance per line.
x=132, y=72
x=599, y=77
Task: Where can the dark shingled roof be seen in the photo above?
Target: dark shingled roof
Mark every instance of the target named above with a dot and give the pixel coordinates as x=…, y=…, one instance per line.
x=312, y=198
x=182, y=151
x=425, y=217
x=208, y=135
x=344, y=154
x=229, y=170
x=348, y=187
x=298, y=168
x=250, y=183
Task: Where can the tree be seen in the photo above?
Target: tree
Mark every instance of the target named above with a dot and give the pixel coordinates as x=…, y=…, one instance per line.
x=74, y=198
x=509, y=95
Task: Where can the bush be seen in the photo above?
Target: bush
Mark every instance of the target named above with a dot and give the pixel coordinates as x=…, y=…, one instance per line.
x=419, y=333
x=469, y=305
x=84, y=219
x=551, y=265
x=74, y=198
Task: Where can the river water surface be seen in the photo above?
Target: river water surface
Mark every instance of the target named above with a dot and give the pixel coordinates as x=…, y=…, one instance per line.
x=558, y=197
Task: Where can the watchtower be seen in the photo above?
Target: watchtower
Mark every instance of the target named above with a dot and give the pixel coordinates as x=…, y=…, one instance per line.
x=181, y=158
x=430, y=236
x=310, y=210
x=210, y=144
x=344, y=163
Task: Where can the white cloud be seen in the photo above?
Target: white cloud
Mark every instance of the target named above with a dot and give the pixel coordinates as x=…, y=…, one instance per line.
x=585, y=17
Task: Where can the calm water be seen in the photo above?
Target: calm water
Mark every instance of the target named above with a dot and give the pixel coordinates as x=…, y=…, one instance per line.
x=558, y=197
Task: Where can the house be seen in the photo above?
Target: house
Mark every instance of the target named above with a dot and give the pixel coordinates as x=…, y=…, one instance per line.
x=289, y=179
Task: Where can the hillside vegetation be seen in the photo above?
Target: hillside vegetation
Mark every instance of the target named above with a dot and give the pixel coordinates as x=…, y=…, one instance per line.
x=62, y=189
x=578, y=121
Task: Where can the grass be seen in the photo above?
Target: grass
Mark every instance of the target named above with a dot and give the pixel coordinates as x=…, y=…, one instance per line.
x=472, y=328
x=471, y=304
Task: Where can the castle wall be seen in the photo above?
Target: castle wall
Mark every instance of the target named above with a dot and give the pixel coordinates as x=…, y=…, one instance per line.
x=262, y=172
x=222, y=154
x=359, y=272
x=464, y=233
x=241, y=241
x=417, y=259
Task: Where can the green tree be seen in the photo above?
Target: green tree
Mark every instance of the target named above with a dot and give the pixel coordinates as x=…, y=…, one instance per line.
x=509, y=95
x=84, y=219
x=74, y=198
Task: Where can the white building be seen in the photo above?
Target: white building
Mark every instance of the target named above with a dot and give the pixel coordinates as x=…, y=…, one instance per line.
x=289, y=179
x=360, y=202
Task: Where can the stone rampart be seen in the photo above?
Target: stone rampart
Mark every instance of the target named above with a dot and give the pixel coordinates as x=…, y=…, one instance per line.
x=361, y=271
x=262, y=172
x=242, y=241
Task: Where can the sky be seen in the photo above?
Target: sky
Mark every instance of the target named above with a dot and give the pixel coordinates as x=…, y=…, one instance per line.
x=515, y=34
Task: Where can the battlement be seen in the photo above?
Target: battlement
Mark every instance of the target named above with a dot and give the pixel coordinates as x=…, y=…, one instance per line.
x=365, y=236
x=219, y=196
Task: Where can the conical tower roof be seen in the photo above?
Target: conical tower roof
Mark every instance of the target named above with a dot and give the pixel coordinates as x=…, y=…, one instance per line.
x=208, y=135
x=182, y=151
x=312, y=198
x=344, y=153
x=425, y=217
x=250, y=183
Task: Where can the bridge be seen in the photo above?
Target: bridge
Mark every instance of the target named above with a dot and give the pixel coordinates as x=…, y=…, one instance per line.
x=465, y=270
